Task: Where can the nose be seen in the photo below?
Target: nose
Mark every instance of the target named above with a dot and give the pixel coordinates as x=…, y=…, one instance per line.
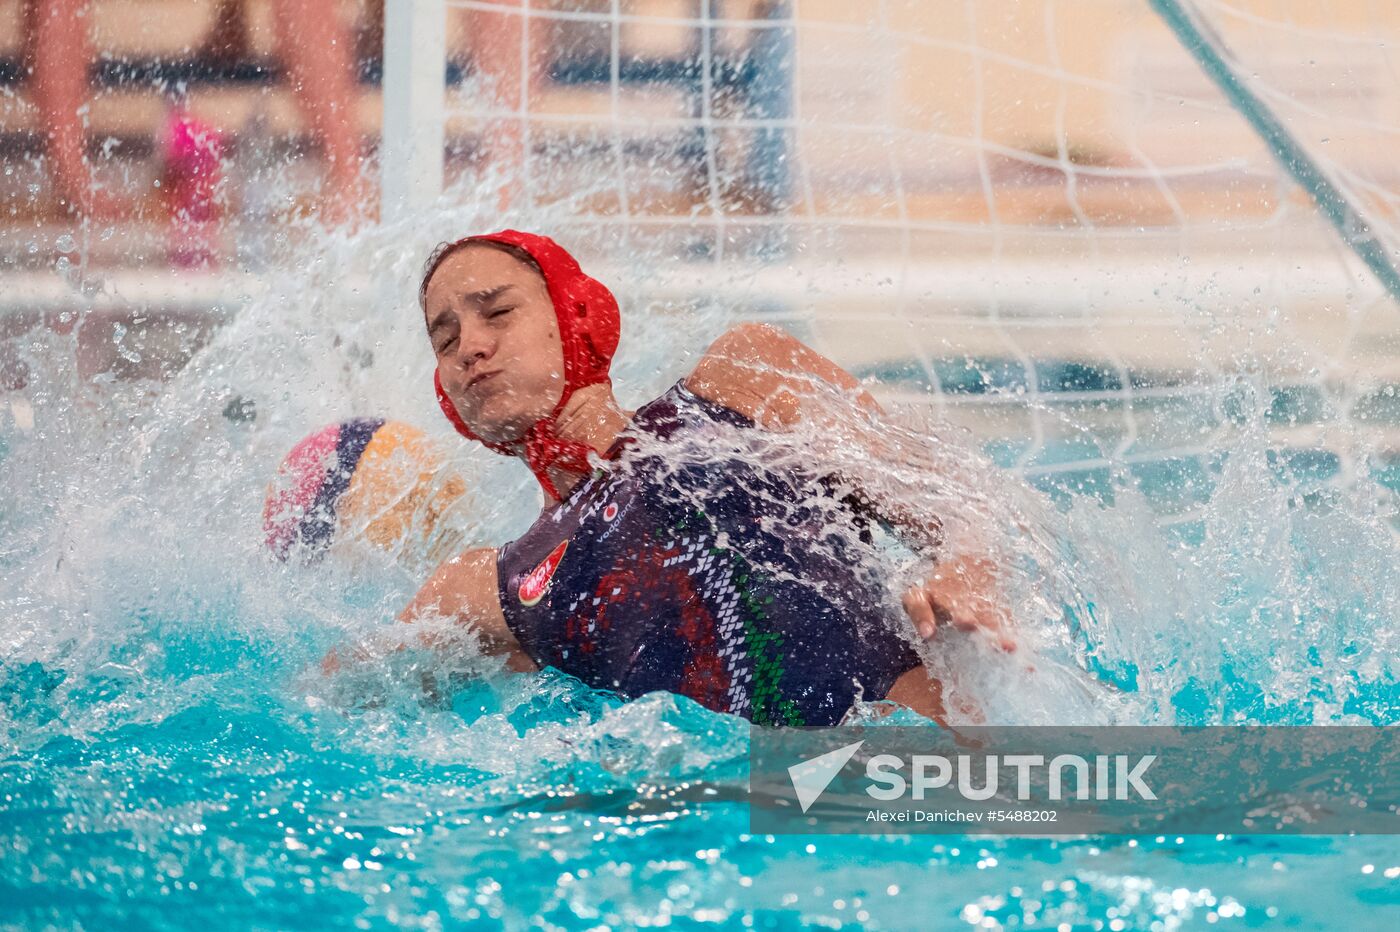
x=473, y=344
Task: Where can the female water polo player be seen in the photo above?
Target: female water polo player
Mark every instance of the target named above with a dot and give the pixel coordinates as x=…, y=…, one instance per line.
x=709, y=578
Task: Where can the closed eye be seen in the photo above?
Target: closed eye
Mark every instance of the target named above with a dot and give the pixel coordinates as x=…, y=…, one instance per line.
x=499, y=312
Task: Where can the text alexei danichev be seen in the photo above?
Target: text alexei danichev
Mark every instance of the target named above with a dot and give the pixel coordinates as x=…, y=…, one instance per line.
x=924, y=815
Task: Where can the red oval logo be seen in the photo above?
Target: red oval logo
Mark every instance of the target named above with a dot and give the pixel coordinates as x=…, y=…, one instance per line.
x=610, y=512
x=536, y=582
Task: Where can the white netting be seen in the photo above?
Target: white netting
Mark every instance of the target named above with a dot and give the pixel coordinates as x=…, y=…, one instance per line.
x=1039, y=216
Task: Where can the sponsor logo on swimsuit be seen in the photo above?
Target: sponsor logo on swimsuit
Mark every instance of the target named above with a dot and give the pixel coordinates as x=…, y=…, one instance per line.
x=536, y=583
x=615, y=511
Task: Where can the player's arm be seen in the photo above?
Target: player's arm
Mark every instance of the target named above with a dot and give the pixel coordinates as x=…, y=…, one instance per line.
x=463, y=590
x=777, y=381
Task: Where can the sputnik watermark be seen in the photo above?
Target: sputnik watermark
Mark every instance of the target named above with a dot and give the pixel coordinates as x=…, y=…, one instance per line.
x=1109, y=780
x=891, y=777
x=1116, y=777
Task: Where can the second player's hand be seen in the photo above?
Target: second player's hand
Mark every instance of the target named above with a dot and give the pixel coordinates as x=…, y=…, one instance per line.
x=965, y=593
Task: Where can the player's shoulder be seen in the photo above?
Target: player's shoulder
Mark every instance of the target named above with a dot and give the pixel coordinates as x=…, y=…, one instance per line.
x=745, y=367
x=755, y=342
x=762, y=371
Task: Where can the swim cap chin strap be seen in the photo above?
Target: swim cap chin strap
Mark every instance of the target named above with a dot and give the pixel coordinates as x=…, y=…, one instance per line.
x=589, y=327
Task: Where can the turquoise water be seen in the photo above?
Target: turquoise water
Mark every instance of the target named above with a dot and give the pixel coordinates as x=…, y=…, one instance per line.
x=168, y=762
x=201, y=788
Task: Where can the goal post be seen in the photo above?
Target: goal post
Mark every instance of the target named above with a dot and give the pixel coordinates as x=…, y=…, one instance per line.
x=411, y=145
x=1360, y=234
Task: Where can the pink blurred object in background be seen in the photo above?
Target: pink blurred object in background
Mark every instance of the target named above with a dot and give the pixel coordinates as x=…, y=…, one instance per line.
x=193, y=183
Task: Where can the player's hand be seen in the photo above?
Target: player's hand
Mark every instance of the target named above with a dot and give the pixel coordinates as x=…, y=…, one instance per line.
x=372, y=657
x=331, y=664
x=347, y=657
x=964, y=593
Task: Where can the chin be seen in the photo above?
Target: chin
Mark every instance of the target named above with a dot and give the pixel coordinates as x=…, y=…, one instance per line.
x=500, y=427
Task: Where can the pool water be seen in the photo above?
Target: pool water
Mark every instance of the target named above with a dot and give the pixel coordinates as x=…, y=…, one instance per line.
x=184, y=777
x=170, y=757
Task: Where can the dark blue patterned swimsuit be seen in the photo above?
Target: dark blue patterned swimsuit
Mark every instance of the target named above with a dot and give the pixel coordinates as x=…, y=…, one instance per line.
x=702, y=579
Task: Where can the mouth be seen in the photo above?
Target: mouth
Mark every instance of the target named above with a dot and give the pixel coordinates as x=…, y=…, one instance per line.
x=482, y=377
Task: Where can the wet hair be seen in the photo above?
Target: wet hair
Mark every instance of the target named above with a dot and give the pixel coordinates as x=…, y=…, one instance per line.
x=442, y=251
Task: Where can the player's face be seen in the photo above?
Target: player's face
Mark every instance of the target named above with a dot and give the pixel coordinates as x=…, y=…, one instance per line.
x=496, y=338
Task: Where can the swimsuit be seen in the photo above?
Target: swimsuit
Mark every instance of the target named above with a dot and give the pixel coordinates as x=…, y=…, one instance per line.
x=706, y=576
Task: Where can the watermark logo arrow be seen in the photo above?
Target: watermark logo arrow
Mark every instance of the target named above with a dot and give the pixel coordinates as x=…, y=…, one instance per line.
x=811, y=777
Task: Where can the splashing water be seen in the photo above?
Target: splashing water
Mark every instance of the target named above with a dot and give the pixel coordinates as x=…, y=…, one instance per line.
x=170, y=747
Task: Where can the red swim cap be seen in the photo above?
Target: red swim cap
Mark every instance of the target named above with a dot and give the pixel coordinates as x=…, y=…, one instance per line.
x=589, y=327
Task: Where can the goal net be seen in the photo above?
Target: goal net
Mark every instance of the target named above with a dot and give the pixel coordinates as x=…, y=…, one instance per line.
x=1055, y=222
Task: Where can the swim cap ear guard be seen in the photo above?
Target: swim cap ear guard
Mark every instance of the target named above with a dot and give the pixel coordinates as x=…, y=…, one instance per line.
x=589, y=328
